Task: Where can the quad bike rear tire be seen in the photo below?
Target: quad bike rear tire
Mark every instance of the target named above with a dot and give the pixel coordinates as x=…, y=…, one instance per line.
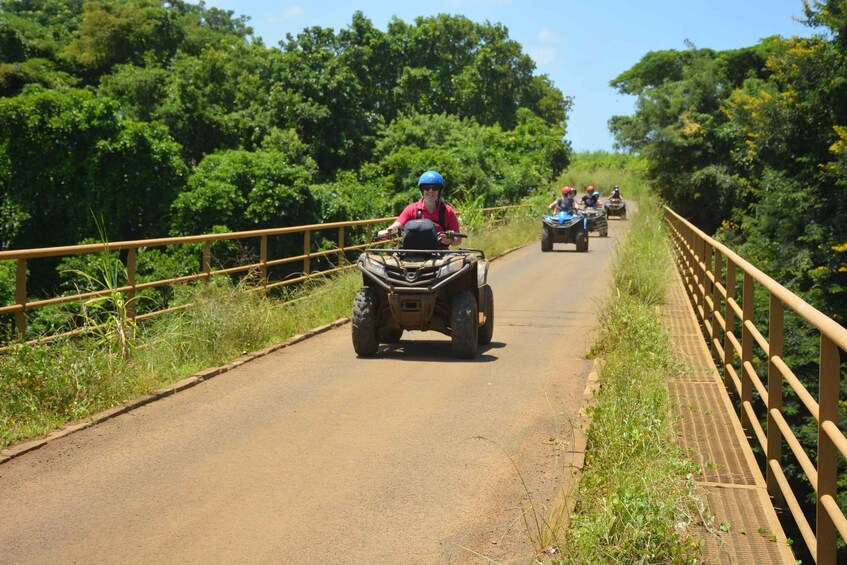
x=464, y=324
x=546, y=240
x=486, y=330
x=363, y=322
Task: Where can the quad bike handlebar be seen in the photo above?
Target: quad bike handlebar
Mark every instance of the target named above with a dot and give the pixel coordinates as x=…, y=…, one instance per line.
x=394, y=232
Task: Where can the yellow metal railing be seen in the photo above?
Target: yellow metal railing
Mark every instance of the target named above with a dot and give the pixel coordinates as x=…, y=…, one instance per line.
x=710, y=271
x=23, y=304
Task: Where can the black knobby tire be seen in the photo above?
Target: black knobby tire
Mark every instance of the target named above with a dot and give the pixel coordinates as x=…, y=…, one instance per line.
x=546, y=240
x=582, y=241
x=464, y=324
x=363, y=322
x=623, y=214
x=486, y=330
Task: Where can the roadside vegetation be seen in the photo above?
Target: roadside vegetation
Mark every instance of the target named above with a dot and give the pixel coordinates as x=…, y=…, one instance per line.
x=635, y=502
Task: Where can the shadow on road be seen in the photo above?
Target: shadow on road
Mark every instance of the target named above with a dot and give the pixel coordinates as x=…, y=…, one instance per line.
x=438, y=351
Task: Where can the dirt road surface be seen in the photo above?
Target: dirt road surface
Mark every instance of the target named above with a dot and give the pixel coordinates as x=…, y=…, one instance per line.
x=312, y=455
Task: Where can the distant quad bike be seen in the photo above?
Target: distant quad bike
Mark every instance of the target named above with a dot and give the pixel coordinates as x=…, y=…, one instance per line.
x=421, y=287
x=615, y=206
x=596, y=220
x=564, y=228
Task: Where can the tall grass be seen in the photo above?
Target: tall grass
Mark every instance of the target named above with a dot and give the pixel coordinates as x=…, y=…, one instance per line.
x=45, y=386
x=636, y=501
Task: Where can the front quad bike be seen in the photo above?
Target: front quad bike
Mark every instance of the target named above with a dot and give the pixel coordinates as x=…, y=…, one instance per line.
x=420, y=287
x=596, y=219
x=564, y=228
x=615, y=207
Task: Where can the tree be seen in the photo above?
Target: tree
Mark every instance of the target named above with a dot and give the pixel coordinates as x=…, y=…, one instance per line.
x=67, y=158
x=237, y=190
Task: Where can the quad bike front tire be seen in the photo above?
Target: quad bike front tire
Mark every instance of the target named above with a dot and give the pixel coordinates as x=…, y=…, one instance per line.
x=486, y=330
x=363, y=322
x=546, y=240
x=582, y=241
x=623, y=214
x=464, y=324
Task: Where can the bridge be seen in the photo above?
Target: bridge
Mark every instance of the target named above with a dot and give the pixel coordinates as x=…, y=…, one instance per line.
x=721, y=403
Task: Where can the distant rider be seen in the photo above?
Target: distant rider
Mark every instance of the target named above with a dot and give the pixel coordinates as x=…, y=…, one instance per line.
x=430, y=207
x=565, y=203
x=616, y=193
x=591, y=198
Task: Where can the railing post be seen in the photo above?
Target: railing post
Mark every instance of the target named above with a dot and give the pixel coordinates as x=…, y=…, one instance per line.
x=711, y=292
x=703, y=281
x=729, y=319
x=307, y=251
x=340, y=246
x=207, y=260
x=776, y=340
x=748, y=310
x=263, y=259
x=130, y=275
x=828, y=401
x=20, y=298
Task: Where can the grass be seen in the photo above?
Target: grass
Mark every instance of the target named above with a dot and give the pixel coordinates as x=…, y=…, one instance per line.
x=43, y=387
x=636, y=502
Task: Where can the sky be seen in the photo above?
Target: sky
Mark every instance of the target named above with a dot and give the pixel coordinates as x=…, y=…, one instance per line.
x=580, y=45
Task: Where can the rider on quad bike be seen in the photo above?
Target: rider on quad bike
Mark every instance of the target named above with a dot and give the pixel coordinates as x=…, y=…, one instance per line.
x=565, y=203
x=615, y=205
x=430, y=207
x=423, y=285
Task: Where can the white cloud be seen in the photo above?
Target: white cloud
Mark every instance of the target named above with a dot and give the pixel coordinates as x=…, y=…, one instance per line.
x=285, y=15
x=543, y=55
x=547, y=35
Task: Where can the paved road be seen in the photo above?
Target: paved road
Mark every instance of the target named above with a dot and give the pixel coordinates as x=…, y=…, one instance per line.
x=311, y=455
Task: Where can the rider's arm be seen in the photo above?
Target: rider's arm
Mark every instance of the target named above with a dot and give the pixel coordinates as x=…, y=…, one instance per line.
x=451, y=223
x=393, y=226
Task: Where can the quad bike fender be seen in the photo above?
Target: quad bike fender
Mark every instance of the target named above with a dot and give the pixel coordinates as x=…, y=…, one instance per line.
x=481, y=273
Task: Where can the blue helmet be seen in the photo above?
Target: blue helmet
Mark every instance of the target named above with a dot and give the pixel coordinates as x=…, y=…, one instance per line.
x=431, y=177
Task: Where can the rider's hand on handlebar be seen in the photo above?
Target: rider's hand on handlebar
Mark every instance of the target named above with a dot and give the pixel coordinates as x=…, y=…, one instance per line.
x=447, y=237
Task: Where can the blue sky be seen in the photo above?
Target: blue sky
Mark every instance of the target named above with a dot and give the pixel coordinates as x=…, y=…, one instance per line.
x=580, y=45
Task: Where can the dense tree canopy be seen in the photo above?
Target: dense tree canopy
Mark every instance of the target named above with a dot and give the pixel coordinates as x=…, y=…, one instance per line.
x=171, y=117
x=751, y=144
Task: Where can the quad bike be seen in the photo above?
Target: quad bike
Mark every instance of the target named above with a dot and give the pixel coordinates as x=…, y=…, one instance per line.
x=418, y=286
x=595, y=217
x=564, y=228
x=615, y=206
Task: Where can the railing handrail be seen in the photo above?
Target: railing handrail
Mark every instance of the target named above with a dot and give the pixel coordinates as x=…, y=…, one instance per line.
x=827, y=325
x=711, y=283
x=22, y=304
x=65, y=250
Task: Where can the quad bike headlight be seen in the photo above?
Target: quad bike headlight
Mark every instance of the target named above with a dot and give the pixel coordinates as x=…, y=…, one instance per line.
x=450, y=268
x=376, y=268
